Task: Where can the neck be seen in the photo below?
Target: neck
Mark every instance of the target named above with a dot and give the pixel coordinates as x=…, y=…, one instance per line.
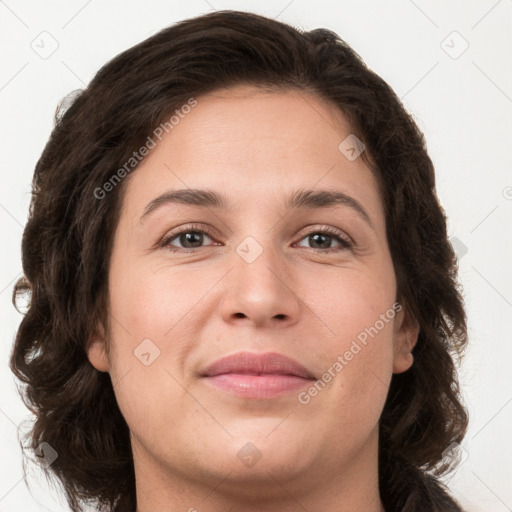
x=351, y=487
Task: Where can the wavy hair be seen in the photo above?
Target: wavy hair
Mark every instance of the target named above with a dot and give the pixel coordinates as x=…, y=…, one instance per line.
x=68, y=239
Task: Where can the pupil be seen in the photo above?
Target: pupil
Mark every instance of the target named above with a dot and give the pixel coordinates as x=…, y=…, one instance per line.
x=319, y=235
x=187, y=238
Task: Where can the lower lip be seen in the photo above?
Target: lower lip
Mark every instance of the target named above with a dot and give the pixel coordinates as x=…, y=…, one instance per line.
x=258, y=386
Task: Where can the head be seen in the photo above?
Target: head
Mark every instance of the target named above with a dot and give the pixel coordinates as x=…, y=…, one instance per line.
x=319, y=237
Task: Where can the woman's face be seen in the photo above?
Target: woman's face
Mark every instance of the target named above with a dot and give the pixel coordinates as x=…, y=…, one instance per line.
x=260, y=276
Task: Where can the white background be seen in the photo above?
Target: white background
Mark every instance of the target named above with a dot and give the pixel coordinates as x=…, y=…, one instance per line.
x=462, y=104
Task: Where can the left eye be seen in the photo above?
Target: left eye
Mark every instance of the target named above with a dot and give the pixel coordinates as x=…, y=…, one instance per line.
x=319, y=238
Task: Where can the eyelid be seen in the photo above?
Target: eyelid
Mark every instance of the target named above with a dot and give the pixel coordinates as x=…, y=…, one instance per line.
x=329, y=230
x=185, y=229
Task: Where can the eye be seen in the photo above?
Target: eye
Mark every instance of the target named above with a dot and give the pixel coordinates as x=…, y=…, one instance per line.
x=322, y=239
x=191, y=238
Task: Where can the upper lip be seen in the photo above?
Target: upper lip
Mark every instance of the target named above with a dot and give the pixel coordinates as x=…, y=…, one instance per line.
x=270, y=363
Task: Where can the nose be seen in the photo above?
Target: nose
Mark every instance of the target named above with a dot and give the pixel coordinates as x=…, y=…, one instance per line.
x=260, y=291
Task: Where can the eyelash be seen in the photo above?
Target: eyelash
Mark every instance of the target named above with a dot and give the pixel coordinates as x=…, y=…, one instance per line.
x=194, y=228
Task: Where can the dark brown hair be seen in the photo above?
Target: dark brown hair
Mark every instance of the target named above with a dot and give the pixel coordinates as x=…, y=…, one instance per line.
x=68, y=239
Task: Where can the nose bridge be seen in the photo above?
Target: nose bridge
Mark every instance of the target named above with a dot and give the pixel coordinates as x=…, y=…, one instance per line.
x=260, y=284
x=259, y=263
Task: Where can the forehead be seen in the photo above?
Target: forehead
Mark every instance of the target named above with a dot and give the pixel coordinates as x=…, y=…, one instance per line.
x=254, y=146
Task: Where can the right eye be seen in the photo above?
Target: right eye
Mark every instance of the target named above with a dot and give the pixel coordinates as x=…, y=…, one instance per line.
x=190, y=237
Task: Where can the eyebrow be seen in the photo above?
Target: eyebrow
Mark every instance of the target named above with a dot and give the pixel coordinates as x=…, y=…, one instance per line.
x=304, y=198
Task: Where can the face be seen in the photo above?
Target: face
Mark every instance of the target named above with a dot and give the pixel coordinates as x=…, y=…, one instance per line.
x=302, y=294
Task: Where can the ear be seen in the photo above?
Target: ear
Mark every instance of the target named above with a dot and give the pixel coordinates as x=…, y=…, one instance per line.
x=97, y=353
x=405, y=338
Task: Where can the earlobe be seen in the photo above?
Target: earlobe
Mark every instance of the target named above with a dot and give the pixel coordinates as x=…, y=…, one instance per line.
x=97, y=355
x=402, y=362
x=406, y=337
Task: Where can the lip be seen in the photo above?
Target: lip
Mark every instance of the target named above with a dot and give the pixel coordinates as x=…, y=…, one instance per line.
x=258, y=376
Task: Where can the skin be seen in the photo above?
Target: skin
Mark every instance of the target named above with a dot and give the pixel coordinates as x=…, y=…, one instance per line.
x=295, y=298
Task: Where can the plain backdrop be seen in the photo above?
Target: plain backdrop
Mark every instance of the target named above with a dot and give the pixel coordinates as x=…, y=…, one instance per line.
x=449, y=61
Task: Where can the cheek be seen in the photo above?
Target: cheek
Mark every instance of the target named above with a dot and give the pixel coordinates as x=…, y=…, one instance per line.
x=156, y=321
x=355, y=312
x=348, y=301
x=148, y=315
x=156, y=305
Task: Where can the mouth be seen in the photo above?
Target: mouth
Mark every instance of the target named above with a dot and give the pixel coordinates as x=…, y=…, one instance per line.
x=257, y=376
